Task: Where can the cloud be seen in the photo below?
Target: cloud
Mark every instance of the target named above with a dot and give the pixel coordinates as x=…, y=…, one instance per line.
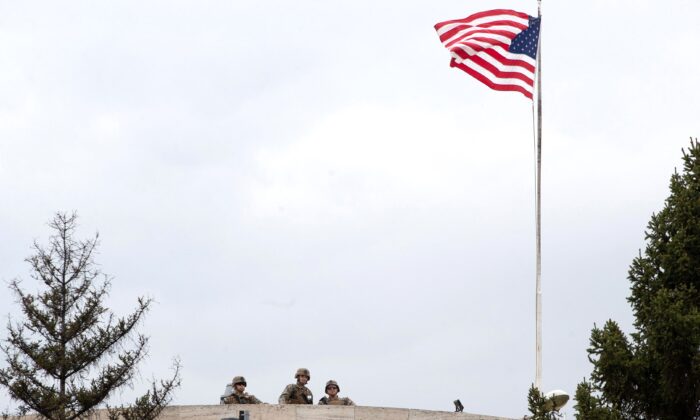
x=367, y=159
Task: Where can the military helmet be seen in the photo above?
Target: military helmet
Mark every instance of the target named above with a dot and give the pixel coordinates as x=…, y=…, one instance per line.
x=239, y=380
x=303, y=371
x=332, y=382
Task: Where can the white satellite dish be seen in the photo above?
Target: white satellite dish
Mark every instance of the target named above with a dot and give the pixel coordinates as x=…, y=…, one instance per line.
x=556, y=399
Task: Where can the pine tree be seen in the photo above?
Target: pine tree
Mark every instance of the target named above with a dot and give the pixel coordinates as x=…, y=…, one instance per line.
x=149, y=405
x=590, y=407
x=540, y=406
x=70, y=353
x=655, y=374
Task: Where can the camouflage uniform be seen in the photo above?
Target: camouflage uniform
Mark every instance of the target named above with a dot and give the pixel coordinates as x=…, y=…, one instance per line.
x=297, y=393
x=335, y=401
x=242, y=398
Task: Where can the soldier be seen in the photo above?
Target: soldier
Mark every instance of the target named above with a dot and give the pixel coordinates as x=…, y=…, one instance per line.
x=239, y=395
x=332, y=390
x=298, y=393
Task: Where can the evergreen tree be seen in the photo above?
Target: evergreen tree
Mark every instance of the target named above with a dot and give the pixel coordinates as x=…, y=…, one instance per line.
x=70, y=352
x=655, y=374
x=149, y=405
x=590, y=407
x=540, y=406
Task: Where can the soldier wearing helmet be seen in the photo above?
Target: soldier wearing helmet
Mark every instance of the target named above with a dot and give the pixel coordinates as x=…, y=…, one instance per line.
x=239, y=395
x=298, y=393
x=332, y=390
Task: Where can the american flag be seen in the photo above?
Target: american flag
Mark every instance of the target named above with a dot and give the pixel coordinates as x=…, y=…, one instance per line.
x=497, y=47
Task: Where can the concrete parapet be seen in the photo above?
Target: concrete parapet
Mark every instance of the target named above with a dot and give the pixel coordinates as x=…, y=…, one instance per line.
x=302, y=412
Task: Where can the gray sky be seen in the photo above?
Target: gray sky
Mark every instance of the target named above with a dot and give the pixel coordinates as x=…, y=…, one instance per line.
x=310, y=184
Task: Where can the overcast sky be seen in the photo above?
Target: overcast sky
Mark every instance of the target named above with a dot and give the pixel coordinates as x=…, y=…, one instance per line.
x=310, y=184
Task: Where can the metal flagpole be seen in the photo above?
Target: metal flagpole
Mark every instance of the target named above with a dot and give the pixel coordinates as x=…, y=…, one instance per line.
x=538, y=215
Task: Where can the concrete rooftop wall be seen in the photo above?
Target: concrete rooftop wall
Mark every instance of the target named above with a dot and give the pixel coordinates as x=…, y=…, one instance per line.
x=304, y=412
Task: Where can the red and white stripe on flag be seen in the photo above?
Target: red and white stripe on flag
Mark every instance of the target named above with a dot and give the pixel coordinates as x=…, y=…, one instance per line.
x=497, y=47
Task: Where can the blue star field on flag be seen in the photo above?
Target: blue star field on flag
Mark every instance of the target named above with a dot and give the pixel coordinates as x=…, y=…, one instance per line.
x=526, y=41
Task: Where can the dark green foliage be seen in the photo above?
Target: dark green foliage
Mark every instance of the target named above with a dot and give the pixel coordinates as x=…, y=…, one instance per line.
x=590, y=407
x=616, y=370
x=655, y=374
x=70, y=352
x=539, y=406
